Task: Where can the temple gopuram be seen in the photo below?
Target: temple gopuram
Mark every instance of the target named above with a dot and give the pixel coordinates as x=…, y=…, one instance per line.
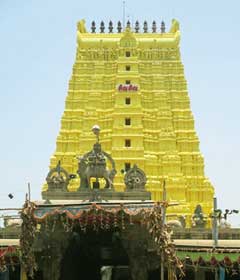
x=132, y=84
x=126, y=171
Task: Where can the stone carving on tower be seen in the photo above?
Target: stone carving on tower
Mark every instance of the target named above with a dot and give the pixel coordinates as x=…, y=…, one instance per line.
x=135, y=179
x=57, y=178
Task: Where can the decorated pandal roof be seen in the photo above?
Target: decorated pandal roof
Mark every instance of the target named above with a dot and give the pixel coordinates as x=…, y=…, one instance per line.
x=78, y=209
x=7, y=250
x=107, y=216
x=9, y=257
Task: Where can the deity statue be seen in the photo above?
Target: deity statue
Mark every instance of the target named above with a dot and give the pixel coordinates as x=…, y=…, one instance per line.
x=198, y=218
x=135, y=179
x=93, y=165
x=57, y=179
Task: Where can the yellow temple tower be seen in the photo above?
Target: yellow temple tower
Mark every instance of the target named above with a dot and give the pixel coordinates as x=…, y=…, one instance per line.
x=132, y=85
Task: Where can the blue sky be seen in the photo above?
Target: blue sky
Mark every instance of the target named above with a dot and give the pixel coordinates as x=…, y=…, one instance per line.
x=37, y=51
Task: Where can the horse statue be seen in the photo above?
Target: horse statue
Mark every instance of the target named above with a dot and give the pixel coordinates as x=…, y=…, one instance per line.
x=93, y=165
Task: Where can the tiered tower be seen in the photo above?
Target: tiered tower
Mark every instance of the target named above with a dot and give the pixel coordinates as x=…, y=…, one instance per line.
x=132, y=85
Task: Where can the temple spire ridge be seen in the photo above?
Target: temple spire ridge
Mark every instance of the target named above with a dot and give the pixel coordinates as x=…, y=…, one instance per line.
x=175, y=26
x=81, y=26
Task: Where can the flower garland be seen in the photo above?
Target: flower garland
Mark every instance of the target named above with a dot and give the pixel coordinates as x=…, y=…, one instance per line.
x=28, y=233
x=8, y=256
x=161, y=234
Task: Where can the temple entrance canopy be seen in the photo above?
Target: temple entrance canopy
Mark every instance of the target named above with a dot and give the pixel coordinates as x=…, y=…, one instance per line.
x=65, y=240
x=118, y=233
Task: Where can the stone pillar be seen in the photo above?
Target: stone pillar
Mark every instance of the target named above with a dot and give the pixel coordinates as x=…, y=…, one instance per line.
x=46, y=268
x=135, y=243
x=56, y=267
x=52, y=265
x=138, y=267
x=23, y=275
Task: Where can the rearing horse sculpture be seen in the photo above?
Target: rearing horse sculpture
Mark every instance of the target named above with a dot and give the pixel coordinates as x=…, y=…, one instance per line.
x=93, y=165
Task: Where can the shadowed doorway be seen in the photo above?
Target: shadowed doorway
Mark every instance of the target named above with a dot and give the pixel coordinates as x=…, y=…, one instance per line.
x=87, y=253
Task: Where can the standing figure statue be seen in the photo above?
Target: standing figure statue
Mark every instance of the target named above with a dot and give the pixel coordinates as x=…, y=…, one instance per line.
x=93, y=165
x=58, y=178
x=198, y=218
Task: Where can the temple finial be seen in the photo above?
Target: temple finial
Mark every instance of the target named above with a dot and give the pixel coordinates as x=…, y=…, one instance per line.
x=137, y=26
x=154, y=27
x=96, y=131
x=110, y=27
x=175, y=26
x=145, y=27
x=102, y=27
x=163, y=27
x=93, y=27
x=58, y=167
x=81, y=26
x=119, y=27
